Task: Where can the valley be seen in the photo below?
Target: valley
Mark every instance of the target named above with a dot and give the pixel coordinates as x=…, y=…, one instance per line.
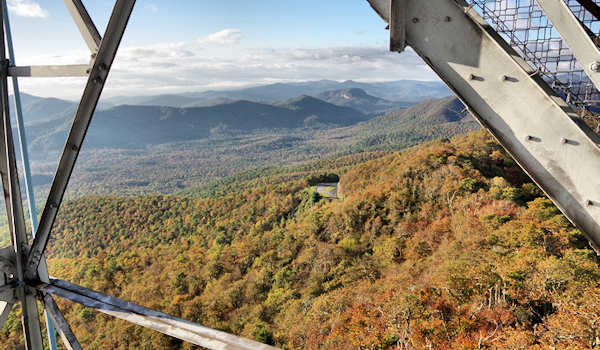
x=145, y=149
x=210, y=214
x=133, y=150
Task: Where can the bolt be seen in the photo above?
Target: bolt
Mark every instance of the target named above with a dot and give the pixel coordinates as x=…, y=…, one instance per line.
x=53, y=205
x=415, y=20
x=74, y=147
x=595, y=67
x=448, y=19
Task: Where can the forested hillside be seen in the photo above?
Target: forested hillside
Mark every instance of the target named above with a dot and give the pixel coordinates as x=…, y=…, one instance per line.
x=192, y=161
x=446, y=245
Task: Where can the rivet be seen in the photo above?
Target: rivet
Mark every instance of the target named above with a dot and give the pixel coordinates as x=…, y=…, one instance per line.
x=564, y=141
x=97, y=80
x=528, y=137
x=448, y=19
x=53, y=205
x=472, y=77
x=504, y=77
x=415, y=20
x=589, y=203
x=595, y=67
x=102, y=67
x=74, y=147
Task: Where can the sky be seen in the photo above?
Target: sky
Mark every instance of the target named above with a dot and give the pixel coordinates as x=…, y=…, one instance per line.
x=175, y=46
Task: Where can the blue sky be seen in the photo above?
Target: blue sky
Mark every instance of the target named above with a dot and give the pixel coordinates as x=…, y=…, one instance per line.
x=192, y=45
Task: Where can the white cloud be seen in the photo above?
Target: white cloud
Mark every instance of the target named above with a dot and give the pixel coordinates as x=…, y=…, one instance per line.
x=223, y=37
x=186, y=66
x=27, y=8
x=152, y=7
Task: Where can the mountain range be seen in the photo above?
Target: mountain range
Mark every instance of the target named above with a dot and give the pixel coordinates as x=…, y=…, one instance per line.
x=163, y=156
x=137, y=148
x=157, y=120
x=368, y=98
x=128, y=126
x=407, y=91
x=360, y=100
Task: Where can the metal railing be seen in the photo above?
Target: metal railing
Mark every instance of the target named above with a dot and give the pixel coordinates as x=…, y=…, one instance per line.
x=525, y=27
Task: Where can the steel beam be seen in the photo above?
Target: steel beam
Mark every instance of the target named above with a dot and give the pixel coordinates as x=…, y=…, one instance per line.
x=591, y=6
x=84, y=23
x=507, y=97
x=66, y=334
x=14, y=206
x=74, y=70
x=175, y=327
x=398, y=25
x=83, y=117
x=573, y=32
x=43, y=270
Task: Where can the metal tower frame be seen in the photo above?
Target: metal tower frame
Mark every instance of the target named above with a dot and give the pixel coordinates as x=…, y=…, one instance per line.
x=24, y=276
x=542, y=132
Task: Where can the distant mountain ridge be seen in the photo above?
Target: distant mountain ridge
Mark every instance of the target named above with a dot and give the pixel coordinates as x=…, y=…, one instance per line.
x=36, y=109
x=139, y=126
x=360, y=100
x=397, y=91
x=368, y=98
x=141, y=149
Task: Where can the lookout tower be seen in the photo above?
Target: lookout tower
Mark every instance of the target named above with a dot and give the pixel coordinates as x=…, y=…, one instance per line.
x=528, y=71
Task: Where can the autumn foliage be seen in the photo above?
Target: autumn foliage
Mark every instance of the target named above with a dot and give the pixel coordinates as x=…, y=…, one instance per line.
x=447, y=245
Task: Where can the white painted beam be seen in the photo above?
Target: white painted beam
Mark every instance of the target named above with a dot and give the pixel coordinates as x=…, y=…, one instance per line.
x=84, y=23
x=75, y=70
x=505, y=94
